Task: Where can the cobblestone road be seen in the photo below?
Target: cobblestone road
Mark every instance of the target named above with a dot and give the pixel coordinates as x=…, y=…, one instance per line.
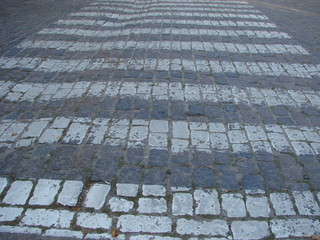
x=159, y=119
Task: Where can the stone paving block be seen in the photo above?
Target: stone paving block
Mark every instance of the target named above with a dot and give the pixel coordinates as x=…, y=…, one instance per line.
x=3, y=184
x=306, y=203
x=152, y=205
x=158, y=140
x=233, y=205
x=25, y=142
x=35, y=129
x=61, y=122
x=152, y=237
x=207, y=202
x=159, y=126
x=127, y=190
x=70, y=193
x=212, y=228
x=247, y=230
x=45, y=192
x=182, y=204
x=76, y=133
x=94, y=236
x=120, y=205
x=180, y=130
x=63, y=233
x=20, y=230
x=258, y=206
x=256, y=133
x=47, y=218
x=153, y=190
x=51, y=136
x=18, y=193
x=299, y=227
x=96, y=196
x=9, y=213
x=147, y=224
x=12, y=132
x=282, y=204
x=237, y=136
x=94, y=220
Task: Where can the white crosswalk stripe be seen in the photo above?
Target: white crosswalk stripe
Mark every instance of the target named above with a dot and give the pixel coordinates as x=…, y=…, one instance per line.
x=158, y=31
x=160, y=91
x=134, y=9
x=203, y=23
x=126, y=17
x=243, y=68
x=167, y=45
x=158, y=133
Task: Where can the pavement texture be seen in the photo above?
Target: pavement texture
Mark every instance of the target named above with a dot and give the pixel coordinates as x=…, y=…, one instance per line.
x=160, y=119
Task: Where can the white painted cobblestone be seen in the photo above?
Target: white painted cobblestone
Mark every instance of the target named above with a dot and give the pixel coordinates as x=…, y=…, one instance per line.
x=247, y=230
x=47, y=218
x=213, y=228
x=70, y=193
x=233, y=205
x=94, y=220
x=299, y=227
x=141, y=223
x=182, y=204
x=207, y=202
x=45, y=192
x=96, y=196
x=153, y=190
x=127, y=190
x=282, y=204
x=152, y=205
x=63, y=233
x=258, y=206
x=10, y=213
x=18, y=193
x=21, y=230
x=120, y=205
x=306, y=203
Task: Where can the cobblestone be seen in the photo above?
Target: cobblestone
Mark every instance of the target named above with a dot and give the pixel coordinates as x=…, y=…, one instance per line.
x=160, y=120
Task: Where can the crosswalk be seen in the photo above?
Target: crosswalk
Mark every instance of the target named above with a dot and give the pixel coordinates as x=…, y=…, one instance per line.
x=220, y=20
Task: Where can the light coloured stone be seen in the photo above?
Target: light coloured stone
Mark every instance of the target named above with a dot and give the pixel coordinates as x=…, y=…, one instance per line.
x=96, y=196
x=141, y=223
x=51, y=136
x=18, y=193
x=76, y=133
x=45, y=192
x=306, y=203
x=120, y=205
x=258, y=206
x=282, y=204
x=9, y=213
x=20, y=230
x=233, y=205
x=35, y=129
x=61, y=122
x=207, y=202
x=94, y=220
x=103, y=236
x=248, y=230
x=48, y=218
x=159, y=126
x=63, y=233
x=180, y=130
x=70, y=193
x=152, y=205
x=153, y=190
x=237, y=136
x=127, y=190
x=152, y=237
x=283, y=228
x=182, y=204
x=212, y=228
